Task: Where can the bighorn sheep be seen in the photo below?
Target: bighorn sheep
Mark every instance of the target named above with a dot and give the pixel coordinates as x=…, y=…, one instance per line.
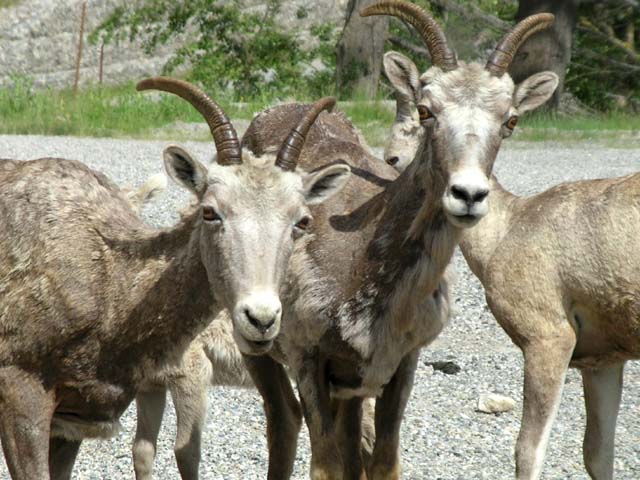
x=561, y=271
x=212, y=359
x=145, y=193
x=367, y=292
x=92, y=300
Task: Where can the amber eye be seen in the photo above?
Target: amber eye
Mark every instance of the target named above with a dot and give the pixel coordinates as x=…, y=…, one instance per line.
x=304, y=224
x=425, y=113
x=512, y=122
x=209, y=214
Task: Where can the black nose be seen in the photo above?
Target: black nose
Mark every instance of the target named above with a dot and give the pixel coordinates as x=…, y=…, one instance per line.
x=392, y=160
x=466, y=196
x=260, y=325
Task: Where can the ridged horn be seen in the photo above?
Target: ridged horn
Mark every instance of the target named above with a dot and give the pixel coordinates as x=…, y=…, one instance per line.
x=224, y=135
x=441, y=54
x=289, y=153
x=502, y=56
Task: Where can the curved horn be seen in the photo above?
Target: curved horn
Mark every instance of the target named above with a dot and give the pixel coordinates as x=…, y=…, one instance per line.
x=441, y=54
x=502, y=56
x=289, y=153
x=224, y=135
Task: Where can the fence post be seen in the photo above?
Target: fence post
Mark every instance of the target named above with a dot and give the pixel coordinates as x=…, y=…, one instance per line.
x=80, y=44
x=101, y=62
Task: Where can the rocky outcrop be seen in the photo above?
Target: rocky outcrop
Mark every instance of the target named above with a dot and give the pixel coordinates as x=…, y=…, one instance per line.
x=38, y=39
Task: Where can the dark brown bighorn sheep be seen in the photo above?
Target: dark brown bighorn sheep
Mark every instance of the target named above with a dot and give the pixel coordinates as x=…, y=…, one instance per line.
x=93, y=301
x=369, y=290
x=565, y=286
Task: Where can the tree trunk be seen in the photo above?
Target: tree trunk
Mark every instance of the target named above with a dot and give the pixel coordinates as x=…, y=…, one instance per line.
x=549, y=49
x=359, y=52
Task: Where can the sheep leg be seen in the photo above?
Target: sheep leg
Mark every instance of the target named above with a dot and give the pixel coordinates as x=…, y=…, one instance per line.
x=62, y=457
x=602, y=393
x=385, y=462
x=348, y=421
x=368, y=429
x=25, y=424
x=150, y=408
x=190, y=400
x=282, y=411
x=313, y=386
x=545, y=368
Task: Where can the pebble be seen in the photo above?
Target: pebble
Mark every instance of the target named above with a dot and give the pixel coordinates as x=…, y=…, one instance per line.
x=495, y=403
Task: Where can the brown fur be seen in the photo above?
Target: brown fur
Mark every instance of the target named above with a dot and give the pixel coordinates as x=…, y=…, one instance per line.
x=93, y=302
x=78, y=322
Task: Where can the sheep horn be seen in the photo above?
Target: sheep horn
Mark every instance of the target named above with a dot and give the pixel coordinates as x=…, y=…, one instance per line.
x=502, y=56
x=441, y=54
x=289, y=153
x=224, y=135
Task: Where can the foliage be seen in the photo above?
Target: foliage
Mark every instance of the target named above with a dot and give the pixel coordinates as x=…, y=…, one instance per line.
x=470, y=39
x=229, y=50
x=605, y=68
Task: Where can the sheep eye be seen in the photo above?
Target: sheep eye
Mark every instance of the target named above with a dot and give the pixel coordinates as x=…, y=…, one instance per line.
x=392, y=160
x=512, y=122
x=424, y=113
x=209, y=214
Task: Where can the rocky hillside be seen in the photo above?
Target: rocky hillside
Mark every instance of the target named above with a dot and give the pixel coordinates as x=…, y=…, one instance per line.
x=38, y=39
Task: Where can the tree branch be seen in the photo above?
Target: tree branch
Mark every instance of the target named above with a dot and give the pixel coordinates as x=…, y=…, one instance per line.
x=471, y=12
x=400, y=42
x=586, y=26
x=628, y=67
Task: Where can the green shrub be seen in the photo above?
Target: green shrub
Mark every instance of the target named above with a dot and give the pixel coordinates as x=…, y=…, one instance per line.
x=230, y=51
x=605, y=66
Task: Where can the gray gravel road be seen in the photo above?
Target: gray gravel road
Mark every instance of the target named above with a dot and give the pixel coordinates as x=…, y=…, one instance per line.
x=443, y=437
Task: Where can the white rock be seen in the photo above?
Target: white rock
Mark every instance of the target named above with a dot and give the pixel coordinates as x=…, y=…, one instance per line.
x=495, y=403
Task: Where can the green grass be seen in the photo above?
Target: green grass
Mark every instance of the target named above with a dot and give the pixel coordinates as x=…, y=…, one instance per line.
x=8, y=3
x=123, y=112
x=615, y=128
x=106, y=112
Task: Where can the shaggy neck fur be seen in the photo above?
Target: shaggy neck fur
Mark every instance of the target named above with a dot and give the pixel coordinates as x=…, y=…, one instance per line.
x=480, y=242
x=407, y=257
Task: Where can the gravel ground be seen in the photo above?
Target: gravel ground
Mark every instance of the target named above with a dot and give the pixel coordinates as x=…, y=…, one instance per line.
x=443, y=437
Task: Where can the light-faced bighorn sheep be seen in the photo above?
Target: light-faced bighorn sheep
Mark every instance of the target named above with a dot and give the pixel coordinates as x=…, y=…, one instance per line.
x=561, y=272
x=364, y=297
x=212, y=359
x=92, y=300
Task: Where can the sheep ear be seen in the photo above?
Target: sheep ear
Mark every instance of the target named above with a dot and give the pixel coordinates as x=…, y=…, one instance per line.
x=324, y=183
x=535, y=91
x=185, y=171
x=403, y=75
